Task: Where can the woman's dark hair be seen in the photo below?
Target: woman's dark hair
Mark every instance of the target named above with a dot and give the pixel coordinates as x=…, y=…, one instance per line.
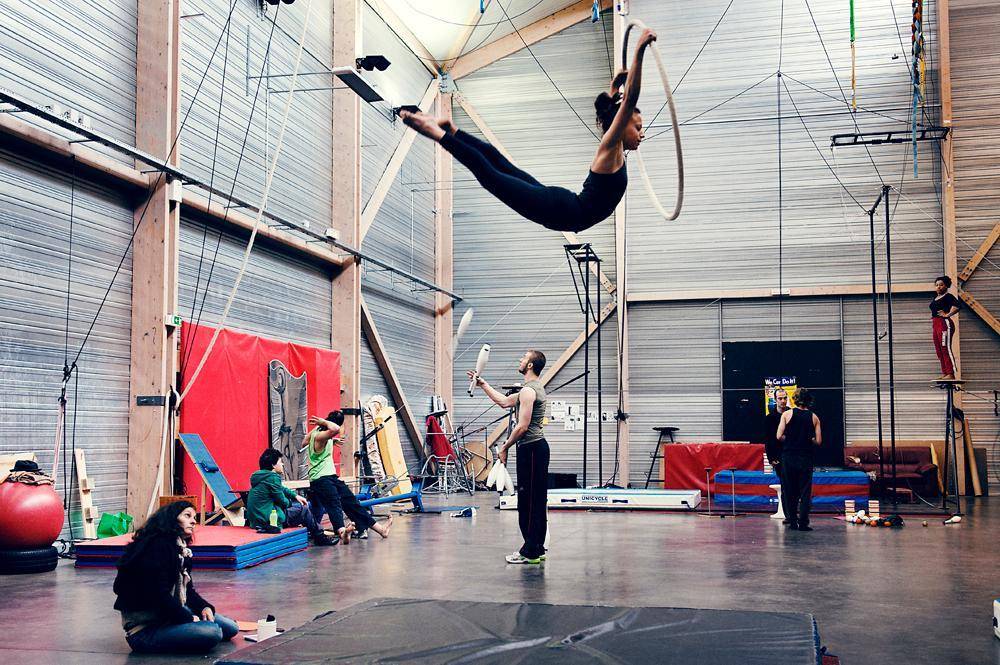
x=269, y=458
x=163, y=521
x=945, y=279
x=803, y=398
x=335, y=417
x=607, y=106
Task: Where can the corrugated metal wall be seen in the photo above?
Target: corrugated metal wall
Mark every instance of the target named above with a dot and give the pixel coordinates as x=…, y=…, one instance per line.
x=34, y=271
x=975, y=67
x=730, y=215
x=80, y=55
x=281, y=296
x=513, y=272
x=303, y=182
x=402, y=233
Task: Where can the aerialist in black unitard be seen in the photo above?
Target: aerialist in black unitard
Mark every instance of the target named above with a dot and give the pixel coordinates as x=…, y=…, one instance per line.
x=557, y=208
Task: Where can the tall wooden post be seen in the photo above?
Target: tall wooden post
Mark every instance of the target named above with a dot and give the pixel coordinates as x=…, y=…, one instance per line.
x=154, y=253
x=443, y=274
x=347, y=215
x=948, y=198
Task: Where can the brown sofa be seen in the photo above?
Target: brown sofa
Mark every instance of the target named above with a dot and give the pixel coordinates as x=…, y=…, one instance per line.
x=914, y=469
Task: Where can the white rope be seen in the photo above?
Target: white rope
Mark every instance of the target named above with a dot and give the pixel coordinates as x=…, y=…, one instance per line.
x=246, y=258
x=635, y=23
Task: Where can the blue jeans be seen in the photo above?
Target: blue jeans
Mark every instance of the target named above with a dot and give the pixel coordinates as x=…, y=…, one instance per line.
x=299, y=515
x=194, y=637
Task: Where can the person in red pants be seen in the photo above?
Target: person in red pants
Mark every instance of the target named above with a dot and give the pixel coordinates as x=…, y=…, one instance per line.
x=943, y=308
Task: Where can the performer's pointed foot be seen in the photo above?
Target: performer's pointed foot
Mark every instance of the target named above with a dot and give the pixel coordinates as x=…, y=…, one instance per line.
x=423, y=124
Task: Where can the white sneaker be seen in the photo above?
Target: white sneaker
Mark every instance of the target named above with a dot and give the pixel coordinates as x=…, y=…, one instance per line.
x=517, y=558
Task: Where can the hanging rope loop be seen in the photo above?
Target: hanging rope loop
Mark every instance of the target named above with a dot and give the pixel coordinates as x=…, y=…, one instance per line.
x=635, y=23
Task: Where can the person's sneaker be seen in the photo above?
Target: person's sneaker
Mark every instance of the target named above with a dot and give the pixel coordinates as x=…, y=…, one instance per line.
x=805, y=527
x=516, y=557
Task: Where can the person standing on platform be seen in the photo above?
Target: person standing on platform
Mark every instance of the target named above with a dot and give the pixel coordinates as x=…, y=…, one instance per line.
x=532, y=454
x=944, y=307
x=800, y=435
x=772, y=447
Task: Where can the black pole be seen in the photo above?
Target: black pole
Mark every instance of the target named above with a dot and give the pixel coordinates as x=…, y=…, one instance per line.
x=892, y=374
x=600, y=385
x=954, y=446
x=878, y=370
x=949, y=423
x=586, y=362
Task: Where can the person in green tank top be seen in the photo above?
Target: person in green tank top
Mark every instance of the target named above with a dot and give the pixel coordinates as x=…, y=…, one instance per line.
x=328, y=493
x=532, y=454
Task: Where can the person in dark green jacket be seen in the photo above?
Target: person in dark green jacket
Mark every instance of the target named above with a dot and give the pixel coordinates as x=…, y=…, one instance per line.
x=268, y=495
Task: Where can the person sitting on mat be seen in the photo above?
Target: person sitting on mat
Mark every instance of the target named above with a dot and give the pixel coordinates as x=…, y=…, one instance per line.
x=328, y=493
x=268, y=495
x=161, y=610
x=556, y=208
x=800, y=435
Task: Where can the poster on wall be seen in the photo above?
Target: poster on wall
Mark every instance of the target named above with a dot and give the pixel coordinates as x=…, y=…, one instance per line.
x=772, y=383
x=288, y=410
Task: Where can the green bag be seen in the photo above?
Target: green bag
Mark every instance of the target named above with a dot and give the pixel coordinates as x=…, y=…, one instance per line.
x=114, y=524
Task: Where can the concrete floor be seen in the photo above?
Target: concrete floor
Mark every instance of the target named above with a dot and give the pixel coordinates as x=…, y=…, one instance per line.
x=910, y=596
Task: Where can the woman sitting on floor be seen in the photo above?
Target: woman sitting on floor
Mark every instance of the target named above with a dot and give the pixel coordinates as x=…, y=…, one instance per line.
x=161, y=610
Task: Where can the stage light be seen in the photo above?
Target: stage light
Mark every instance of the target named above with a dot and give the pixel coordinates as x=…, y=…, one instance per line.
x=372, y=62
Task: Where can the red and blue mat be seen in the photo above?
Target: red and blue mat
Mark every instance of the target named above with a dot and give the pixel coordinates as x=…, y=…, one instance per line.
x=214, y=547
x=829, y=489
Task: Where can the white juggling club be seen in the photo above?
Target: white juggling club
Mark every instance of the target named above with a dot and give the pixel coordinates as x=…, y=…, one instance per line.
x=484, y=355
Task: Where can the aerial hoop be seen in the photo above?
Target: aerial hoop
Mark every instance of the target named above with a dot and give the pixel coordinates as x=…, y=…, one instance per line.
x=635, y=23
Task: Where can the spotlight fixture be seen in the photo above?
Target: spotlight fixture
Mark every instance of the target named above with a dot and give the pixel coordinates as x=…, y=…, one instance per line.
x=372, y=62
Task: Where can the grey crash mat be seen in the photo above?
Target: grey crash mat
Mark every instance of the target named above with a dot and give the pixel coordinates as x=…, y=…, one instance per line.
x=395, y=630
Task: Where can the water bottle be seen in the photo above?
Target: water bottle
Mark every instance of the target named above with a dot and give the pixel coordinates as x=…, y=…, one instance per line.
x=274, y=517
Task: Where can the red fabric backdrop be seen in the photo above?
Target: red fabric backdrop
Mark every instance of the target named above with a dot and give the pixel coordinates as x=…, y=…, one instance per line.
x=684, y=463
x=228, y=405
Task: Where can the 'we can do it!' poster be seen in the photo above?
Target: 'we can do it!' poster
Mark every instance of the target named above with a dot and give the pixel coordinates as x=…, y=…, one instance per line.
x=772, y=383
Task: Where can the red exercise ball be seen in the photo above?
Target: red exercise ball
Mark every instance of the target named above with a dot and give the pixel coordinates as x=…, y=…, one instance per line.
x=31, y=516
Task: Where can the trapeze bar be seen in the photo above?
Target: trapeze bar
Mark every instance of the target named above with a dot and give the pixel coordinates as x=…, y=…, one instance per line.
x=892, y=136
x=23, y=105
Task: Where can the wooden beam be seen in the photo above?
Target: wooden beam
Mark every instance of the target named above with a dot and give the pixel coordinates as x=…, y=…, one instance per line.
x=155, y=256
x=87, y=157
x=217, y=212
x=980, y=309
x=410, y=40
x=764, y=292
x=104, y=168
x=478, y=121
x=392, y=168
x=980, y=254
x=475, y=16
x=381, y=355
x=535, y=32
x=948, y=196
x=346, y=217
x=621, y=281
x=443, y=264
x=560, y=362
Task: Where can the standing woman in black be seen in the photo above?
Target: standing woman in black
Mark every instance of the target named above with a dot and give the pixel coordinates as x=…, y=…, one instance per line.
x=557, y=208
x=944, y=307
x=800, y=435
x=161, y=610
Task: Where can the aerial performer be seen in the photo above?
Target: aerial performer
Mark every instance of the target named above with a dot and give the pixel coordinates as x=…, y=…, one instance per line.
x=557, y=208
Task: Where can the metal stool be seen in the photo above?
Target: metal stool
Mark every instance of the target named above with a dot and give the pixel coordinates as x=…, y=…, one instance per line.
x=665, y=433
